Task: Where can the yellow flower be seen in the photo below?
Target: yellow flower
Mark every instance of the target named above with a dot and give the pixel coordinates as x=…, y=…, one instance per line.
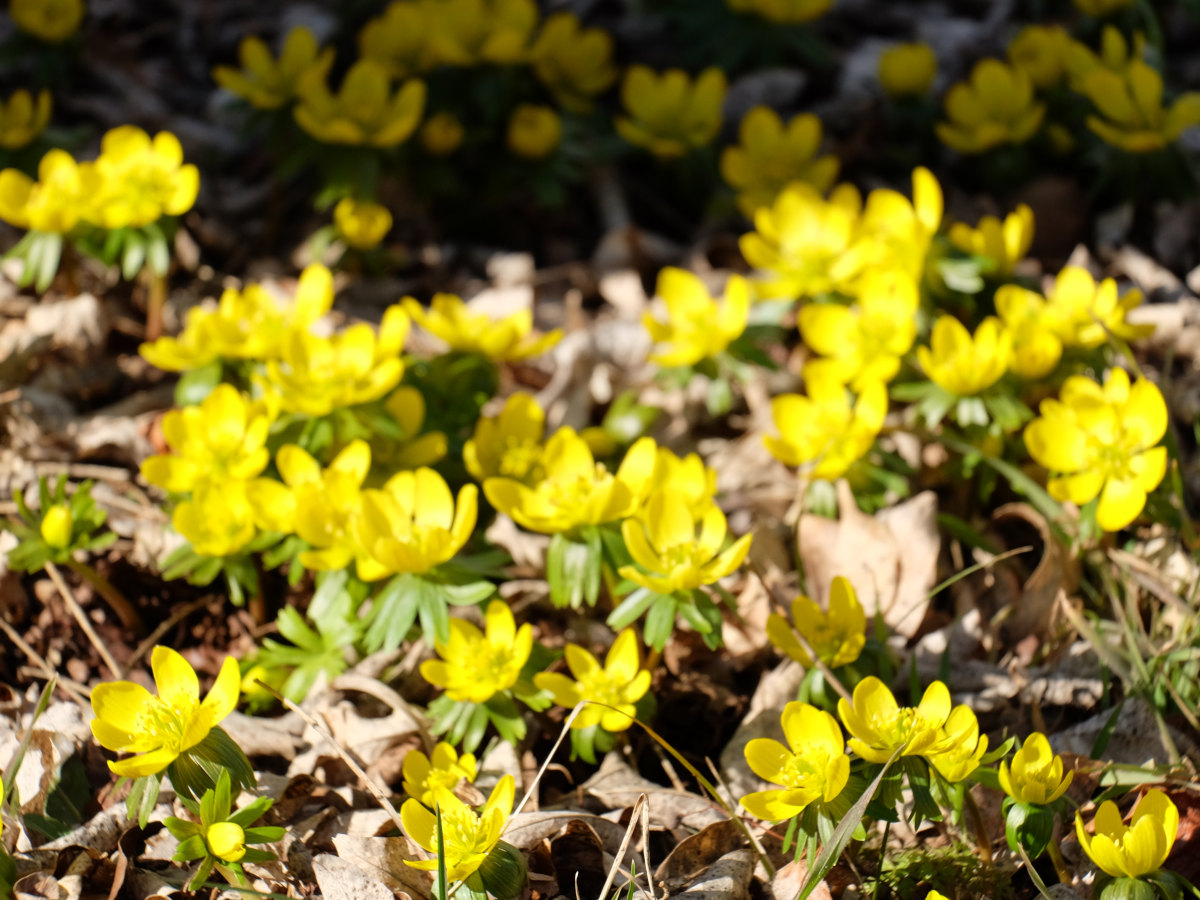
x=907, y=70
x=669, y=114
x=769, y=157
x=995, y=107
x=441, y=134
x=219, y=519
x=813, y=768
x=824, y=429
x=53, y=203
x=1036, y=349
x=467, y=836
x=837, y=636
x=424, y=775
x=664, y=542
x=413, y=524
x=1133, y=117
x=575, y=489
x=508, y=445
x=895, y=232
x=686, y=478
x=363, y=224
x=534, y=132
x=1082, y=312
x=964, y=365
x=863, y=343
x=1137, y=849
x=1037, y=773
x=697, y=327
x=129, y=719
x=50, y=20
x=1101, y=8
x=878, y=726
x=1102, y=441
x=959, y=746
x=1041, y=52
x=23, y=118
x=400, y=39
x=508, y=339
x=316, y=375
x=1003, y=244
x=57, y=526
x=470, y=32
x=226, y=841
x=1115, y=55
x=141, y=179
x=783, y=12
x=621, y=682
x=268, y=83
x=574, y=63
x=406, y=406
x=364, y=112
x=476, y=665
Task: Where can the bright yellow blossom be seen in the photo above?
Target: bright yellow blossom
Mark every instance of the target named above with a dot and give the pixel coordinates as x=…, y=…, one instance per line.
x=669, y=113
x=1137, y=849
x=959, y=746
x=441, y=134
x=467, y=836
x=414, y=449
x=621, y=682
x=1102, y=440
x=508, y=339
x=964, y=365
x=470, y=32
x=1036, y=349
x=878, y=726
x=364, y=112
x=445, y=769
x=1002, y=244
x=1082, y=312
x=508, y=445
x=812, y=768
x=895, y=232
x=1101, y=8
x=838, y=636
x=907, y=70
x=574, y=63
x=400, y=40
x=1133, y=117
x=768, y=157
x=51, y=20
x=824, y=428
x=1036, y=776
x=141, y=179
x=995, y=107
x=55, y=202
x=129, y=719
x=23, y=118
x=269, y=83
x=361, y=224
x=534, y=132
x=686, y=478
x=218, y=519
x=476, y=665
x=783, y=12
x=57, y=526
x=697, y=326
x=226, y=841
x=1041, y=52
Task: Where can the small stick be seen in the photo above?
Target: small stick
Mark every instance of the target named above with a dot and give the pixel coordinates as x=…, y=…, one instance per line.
x=639, y=805
x=40, y=663
x=81, y=617
x=180, y=613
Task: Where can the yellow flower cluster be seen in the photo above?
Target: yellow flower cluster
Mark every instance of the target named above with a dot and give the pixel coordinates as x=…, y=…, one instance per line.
x=697, y=326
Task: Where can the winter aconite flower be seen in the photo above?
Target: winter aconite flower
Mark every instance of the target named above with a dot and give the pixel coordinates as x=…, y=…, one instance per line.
x=1001, y=244
x=1132, y=116
x=218, y=519
x=467, y=836
x=534, y=132
x=769, y=156
x=423, y=775
x=364, y=112
x=23, y=118
x=574, y=63
x=1101, y=441
x=783, y=12
x=474, y=664
x=1137, y=849
x=620, y=683
x=1036, y=349
x=825, y=429
x=509, y=338
x=1041, y=52
x=55, y=202
x=1082, y=311
x=1101, y=8
x=878, y=726
x=400, y=39
x=57, y=525
x=141, y=179
x=837, y=636
x=907, y=70
x=812, y=768
x=959, y=747
x=995, y=107
x=697, y=326
x=508, y=445
x=669, y=113
x=470, y=32
x=1036, y=775
x=962, y=364
x=269, y=83
x=441, y=134
x=361, y=224
x=51, y=20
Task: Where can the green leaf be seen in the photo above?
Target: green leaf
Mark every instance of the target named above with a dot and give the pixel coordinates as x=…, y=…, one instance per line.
x=631, y=608
x=158, y=253
x=50, y=251
x=133, y=255
x=573, y=569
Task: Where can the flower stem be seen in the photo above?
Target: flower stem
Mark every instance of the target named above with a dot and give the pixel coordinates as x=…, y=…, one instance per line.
x=123, y=608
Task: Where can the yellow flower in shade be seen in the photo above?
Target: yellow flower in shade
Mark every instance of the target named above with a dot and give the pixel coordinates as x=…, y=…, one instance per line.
x=406, y=406
x=1082, y=312
x=129, y=719
x=55, y=202
x=226, y=841
x=669, y=113
x=142, y=179
x=467, y=836
x=824, y=430
x=219, y=519
x=51, y=20
x=907, y=70
x=959, y=747
x=962, y=364
x=1137, y=849
x=995, y=107
x=316, y=375
x=222, y=437
x=621, y=682
x=878, y=726
x=23, y=118
x=1133, y=117
x=413, y=524
x=364, y=112
x=400, y=40
x=1102, y=440
x=445, y=769
x=1115, y=55
x=1036, y=349
x=269, y=83
x=574, y=63
x=697, y=326
x=508, y=445
x=476, y=665
x=864, y=342
x=783, y=12
x=769, y=157
x=1101, y=8
x=664, y=542
x=838, y=636
x=361, y=224
x=534, y=132
x=1041, y=52
x=470, y=32
x=812, y=768
x=574, y=489
x=1002, y=244
x=57, y=526
x=441, y=134
x=1036, y=776
x=508, y=339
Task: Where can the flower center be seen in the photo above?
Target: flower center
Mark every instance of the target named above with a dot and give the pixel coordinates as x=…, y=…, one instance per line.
x=519, y=458
x=165, y=722
x=600, y=686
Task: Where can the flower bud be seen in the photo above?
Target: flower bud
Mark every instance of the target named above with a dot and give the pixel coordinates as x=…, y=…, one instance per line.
x=57, y=525
x=226, y=841
x=504, y=871
x=534, y=131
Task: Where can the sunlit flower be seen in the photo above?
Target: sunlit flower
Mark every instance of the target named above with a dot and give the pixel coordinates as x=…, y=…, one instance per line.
x=445, y=769
x=621, y=682
x=226, y=841
x=1002, y=244
x=467, y=836
x=783, y=12
x=686, y=478
x=1101, y=8
x=129, y=719
x=1036, y=349
x=995, y=107
x=1036, y=776
x=364, y=112
x=510, y=338
x=400, y=40
x=534, y=132
x=574, y=63
x=837, y=636
x=218, y=519
x=441, y=134
x=414, y=447
x=1082, y=311
x=55, y=202
x=475, y=665
x=1101, y=441
x=141, y=179
x=57, y=526
x=878, y=726
x=361, y=224
x=51, y=20
x=269, y=83
x=23, y=118
x=669, y=113
x=825, y=430
x=907, y=70
x=895, y=232
x=1130, y=851
x=812, y=768
x=1041, y=51
x=962, y=364
x=959, y=747
x=697, y=326
x=769, y=156
x=470, y=32
x=508, y=445
x=1133, y=117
